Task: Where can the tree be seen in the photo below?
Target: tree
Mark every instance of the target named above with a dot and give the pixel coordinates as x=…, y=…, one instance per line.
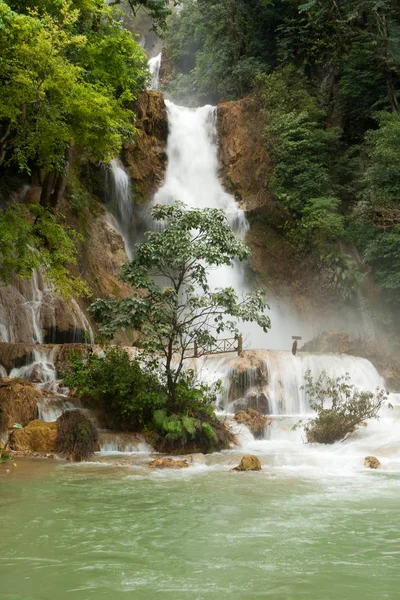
x=340, y=407
x=172, y=305
x=58, y=90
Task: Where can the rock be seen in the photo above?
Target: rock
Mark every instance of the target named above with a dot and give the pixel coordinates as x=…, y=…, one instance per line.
x=242, y=153
x=38, y=437
x=371, y=462
x=196, y=459
x=168, y=463
x=249, y=463
x=18, y=402
x=253, y=420
x=146, y=158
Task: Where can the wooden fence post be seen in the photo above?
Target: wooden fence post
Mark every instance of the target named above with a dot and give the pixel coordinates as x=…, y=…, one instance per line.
x=240, y=344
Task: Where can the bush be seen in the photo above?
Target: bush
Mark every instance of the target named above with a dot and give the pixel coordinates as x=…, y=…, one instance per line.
x=192, y=426
x=133, y=395
x=77, y=437
x=340, y=407
x=126, y=392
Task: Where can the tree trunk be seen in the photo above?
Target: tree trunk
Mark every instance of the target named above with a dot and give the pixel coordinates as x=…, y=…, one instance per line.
x=48, y=188
x=62, y=179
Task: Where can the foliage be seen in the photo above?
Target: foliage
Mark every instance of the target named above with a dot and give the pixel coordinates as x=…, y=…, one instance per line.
x=340, y=407
x=66, y=69
x=34, y=238
x=133, y=395
x=77, y=437
x=183, y=310
x=128, y=391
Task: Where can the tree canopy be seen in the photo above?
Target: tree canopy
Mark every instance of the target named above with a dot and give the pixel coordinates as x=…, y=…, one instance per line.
x=172, y=305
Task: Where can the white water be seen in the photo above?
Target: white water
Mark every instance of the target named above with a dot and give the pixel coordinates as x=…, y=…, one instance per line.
x=119, y=195
x=154, y=68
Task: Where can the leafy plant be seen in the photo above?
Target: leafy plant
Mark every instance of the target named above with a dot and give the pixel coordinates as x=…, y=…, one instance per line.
x=340, y=407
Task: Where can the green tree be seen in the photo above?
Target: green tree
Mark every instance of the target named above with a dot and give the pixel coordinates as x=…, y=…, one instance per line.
x=59, y=91
x=172, y=305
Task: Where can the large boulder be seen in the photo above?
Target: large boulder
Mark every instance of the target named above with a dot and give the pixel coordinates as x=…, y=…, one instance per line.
x=18, y=402
x=371, y=462
x=37, y=437
x=249, y=463
x=168, y=463
x=255, y=421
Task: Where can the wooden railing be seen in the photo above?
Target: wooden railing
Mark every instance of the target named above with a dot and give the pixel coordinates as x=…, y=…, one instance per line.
x=220, y=347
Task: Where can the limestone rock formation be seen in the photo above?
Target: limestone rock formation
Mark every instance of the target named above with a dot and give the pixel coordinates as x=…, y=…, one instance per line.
x=255, y=421
x=168, y=463
x=38, y=437
x=146, y=158
x=248, y=381
x=241, y=152
x=18, y=402
x=103, y=259
x=371, y=462
x=249, y=463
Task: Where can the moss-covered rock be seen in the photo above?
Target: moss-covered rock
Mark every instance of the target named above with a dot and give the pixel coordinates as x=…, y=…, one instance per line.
x=249, y=463
x=37, y=437
x=77, y=436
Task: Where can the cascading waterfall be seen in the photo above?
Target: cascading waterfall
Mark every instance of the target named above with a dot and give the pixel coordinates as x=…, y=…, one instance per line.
x=119, y=197
x=154, y=68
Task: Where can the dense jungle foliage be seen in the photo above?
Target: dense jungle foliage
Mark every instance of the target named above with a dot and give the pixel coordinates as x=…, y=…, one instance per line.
x=68, y=73
x=326, y=77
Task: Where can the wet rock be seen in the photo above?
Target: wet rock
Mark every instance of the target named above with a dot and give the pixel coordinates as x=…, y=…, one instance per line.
x=249, y=463
x=371, y=462
x=242, y=152
x=196, y=459
x=146, y=158
x=37, y=437
x=255, y=421
x=18, y=402
x=168, y=463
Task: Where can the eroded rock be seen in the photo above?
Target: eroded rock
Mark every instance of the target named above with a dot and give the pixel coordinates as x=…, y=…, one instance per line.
x=248, y=463
x=371, y=462
x=37, y=437
x=18, y=402
x=168, y=463
x=255, y=421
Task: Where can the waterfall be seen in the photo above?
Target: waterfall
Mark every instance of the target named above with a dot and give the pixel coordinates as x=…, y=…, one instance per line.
x=154, y=68
x=119, y=197
x=30, y=312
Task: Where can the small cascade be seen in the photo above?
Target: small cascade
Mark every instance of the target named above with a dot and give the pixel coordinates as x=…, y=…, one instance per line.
x=128, y=443
x=154, y=68
x=41, y=370
x=274, y=378
x=119, y=198
x=51, y=408
x=31, y=312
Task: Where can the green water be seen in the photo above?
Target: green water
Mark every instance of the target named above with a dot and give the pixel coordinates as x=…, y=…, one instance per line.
x=89, y=531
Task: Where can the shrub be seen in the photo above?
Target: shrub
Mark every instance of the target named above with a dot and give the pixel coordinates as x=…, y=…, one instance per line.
x=125, y=391
x=340, y=407
x=134, y=396
x=77, y=437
